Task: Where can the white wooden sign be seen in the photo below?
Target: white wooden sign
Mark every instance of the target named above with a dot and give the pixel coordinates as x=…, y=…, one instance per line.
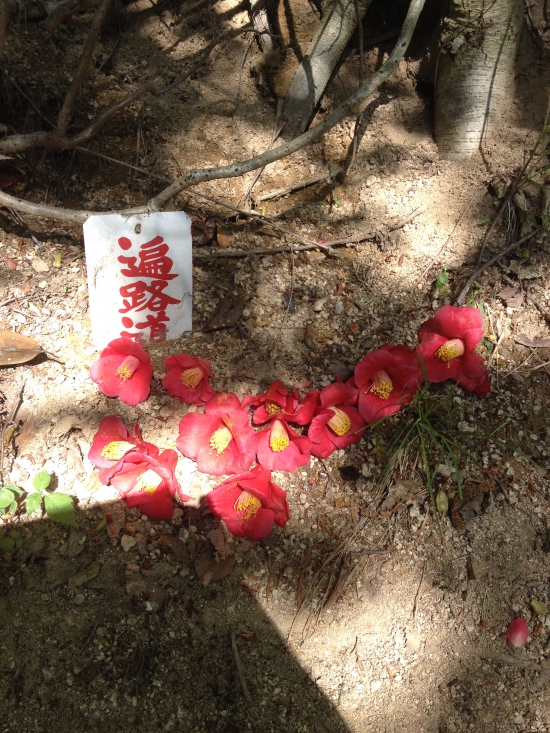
x=140, y=276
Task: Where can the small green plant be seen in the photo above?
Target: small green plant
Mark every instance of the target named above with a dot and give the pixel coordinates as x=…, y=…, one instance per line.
x=9, y=498
x=58, y=506
x=12, y=541
x=425, y=437
x=441, y=285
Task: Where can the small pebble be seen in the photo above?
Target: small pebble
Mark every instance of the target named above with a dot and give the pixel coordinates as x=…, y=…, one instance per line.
x=78, y=600
x=127, y=542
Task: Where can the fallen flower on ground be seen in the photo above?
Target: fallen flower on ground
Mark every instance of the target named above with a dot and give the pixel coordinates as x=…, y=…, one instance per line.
x=112, y=442
x=279, y=403
x=337, y=423
x=149, y=483
x=387, y=379
x=275, y=401
x=217, y=440
x=250, y=504
x=279, y=447
x=447, y=348
x=188, y=379
x=123, y=370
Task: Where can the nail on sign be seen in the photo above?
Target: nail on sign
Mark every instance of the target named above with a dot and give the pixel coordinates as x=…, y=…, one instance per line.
x=140, y=278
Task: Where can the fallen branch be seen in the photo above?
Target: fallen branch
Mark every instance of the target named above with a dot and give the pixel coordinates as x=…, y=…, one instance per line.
x=51, y=139
x=270, y=156
x=233, y=170
x=485, y=265
x=296, y=186
x=82, y=70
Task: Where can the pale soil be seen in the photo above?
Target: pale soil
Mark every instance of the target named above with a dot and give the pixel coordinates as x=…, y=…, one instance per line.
x=139, y=640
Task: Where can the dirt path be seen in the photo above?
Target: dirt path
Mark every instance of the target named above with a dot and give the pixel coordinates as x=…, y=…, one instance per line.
x=103, y=631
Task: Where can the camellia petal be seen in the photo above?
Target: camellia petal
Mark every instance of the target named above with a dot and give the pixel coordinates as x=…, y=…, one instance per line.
x=149, y=483
x=446, y=349
x=188, y=379
x=123, y=370
x=112, y=442
x=279, y=448
x=387, y=379
x=218, y=441
x=249, y=504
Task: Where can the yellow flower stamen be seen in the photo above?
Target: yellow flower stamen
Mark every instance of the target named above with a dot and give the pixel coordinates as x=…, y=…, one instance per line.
x=278, y=438
x=149, y=481
x=247, y=506
x=127, y=368
x=382, y=385
x=450, y=350
x=220, y=439
x=191, y=377
x=339, y=422
x=115, y=450
x=272, y=409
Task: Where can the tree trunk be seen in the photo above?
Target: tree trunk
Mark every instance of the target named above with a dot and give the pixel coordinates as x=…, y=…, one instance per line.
x=314, y=73
x=475, y=75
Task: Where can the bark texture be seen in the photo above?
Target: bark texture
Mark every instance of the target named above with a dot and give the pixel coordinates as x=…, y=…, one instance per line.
x=475, y=75
x=314, y=73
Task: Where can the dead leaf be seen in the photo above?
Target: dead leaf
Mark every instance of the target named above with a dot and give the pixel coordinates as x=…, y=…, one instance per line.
x=203, y=231
x=217, y=538
x=354, y=328
x=512, y=296
x=11, y=264
x=175, y=546
x=223, y=241
x=208, y=567
x=25, y=438
x=16, y=348
x=524, y=271
x=227, y=314
x=536, y=344
x=400, y=260
x=84, y=576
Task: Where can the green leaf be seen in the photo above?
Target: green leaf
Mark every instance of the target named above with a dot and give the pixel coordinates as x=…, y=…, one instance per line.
x=42, y=480
x=15, y=535
x=7, y=544
x=6, y=497
x=441, y=280
x=33, y=502
x=59, y=507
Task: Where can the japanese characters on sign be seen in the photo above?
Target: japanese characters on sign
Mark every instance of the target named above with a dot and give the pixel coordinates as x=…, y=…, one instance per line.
x=139, y=276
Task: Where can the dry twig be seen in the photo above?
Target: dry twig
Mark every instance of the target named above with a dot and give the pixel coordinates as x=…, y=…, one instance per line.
x=485, y=265
x=240, y=669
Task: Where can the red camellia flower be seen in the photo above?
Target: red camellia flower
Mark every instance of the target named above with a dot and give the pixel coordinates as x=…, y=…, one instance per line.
x=149, y=483
x=336, y=423
x=218, y=439
x=249, y=504
x=279, y=403
x=275, y=401
x=112, y=442
x=187, y=378
x=279, y=448
x=123, y=370
x=387, y=379
x=447, y=343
